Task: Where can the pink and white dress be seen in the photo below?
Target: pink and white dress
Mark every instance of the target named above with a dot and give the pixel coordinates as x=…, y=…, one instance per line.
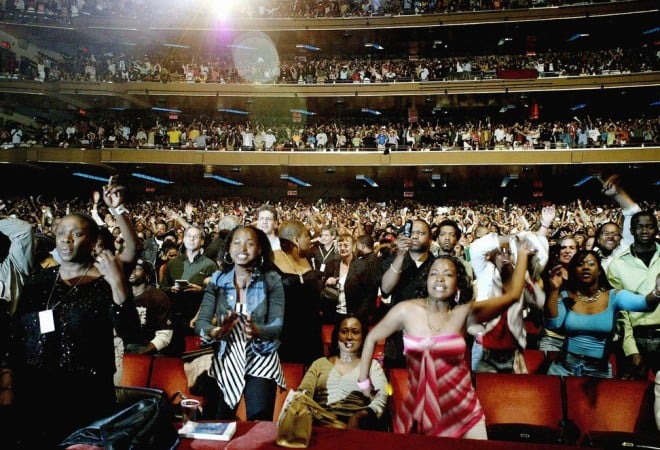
x=441, y=400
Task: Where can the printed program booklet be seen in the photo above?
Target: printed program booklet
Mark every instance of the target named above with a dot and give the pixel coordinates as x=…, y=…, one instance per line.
x=217, y=431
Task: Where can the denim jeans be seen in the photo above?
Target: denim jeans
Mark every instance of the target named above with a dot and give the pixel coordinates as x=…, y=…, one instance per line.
x=549, y=343
x=259, y=400
x=570, y=364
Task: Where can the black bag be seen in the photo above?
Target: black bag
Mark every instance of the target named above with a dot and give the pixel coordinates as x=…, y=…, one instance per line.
x=147, y=424
x=330, y=294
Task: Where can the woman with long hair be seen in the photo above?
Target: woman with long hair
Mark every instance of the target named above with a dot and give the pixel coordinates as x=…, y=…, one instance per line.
x=242, y=313
x=441, y=399
x=587, y=312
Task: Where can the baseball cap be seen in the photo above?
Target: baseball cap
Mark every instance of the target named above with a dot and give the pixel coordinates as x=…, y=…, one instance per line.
x=148, y=269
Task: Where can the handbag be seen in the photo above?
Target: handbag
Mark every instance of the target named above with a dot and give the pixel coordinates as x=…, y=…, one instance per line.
x=294, y=425
x=146, y=424
x=331, y=294
x=299, y=411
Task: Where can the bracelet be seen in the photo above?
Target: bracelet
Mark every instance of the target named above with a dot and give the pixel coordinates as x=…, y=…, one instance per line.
x=545, y=226
x=655, y=293
x=364, y=385
x=118, y=211
x=393, y=269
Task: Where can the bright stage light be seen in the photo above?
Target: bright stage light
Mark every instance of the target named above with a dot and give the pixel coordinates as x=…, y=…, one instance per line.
x=223, y=8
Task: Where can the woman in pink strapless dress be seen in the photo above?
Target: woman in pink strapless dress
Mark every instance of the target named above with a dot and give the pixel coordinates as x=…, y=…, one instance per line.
x=441, y=399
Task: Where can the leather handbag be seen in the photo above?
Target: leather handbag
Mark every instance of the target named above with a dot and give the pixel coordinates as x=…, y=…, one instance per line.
x=294, y=425
x=146, y=424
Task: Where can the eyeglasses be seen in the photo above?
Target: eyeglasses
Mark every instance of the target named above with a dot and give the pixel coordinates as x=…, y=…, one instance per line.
x=610, y=235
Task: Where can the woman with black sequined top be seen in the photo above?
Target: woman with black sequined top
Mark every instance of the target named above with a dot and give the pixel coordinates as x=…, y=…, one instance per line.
x=58, y=374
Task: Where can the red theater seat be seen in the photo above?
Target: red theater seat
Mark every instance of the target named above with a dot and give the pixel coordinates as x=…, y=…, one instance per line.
x=521, y=407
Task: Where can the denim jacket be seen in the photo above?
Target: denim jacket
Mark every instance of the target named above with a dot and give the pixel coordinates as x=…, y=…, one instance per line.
x=265, y=305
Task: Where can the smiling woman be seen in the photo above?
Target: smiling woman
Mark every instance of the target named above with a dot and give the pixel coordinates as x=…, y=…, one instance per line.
x=332, y=381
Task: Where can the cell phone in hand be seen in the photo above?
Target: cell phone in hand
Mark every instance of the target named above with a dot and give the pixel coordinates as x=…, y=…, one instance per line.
x=181, y=283
x=407, y=229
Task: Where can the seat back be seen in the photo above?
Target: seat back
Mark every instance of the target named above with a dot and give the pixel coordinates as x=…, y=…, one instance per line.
x=192, y=343
x=609, y=405
x=521, y=407
x=168, y=375
x=533, y=399
x=535, y=360
x=398, y=378
x=136, y=370
x=293, y=375
x=326, y=338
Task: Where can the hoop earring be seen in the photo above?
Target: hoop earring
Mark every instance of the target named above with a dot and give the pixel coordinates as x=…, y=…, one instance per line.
x=261, y=261
x=227, y=259
x=457, y=298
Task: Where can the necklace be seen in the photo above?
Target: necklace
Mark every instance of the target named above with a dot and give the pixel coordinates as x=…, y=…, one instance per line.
x=347, y=357
x=241, y=281
x=300, y=275
x=444, y=314
x=69, y=292
x=591, y=299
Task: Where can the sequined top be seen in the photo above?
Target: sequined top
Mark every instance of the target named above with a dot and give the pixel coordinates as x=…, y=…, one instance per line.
x=84, y=317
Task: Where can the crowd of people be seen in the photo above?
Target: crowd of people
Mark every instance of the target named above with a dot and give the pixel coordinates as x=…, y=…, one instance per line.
x=63, y=11
x=110, y=64
x=85, y=281
x=277, y=135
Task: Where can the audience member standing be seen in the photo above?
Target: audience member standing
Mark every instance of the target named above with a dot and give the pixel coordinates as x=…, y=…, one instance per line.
x=301, y=334
x=356, y=288
x=243, y=312
x=587, y=312
x=154, y=309
x=325, y=249
x=59, y=370
x=441, y=399
x=267, y=221
x=635, y=269
x=612, y=238
x=499, y=343
x=404, y=275
x=191, y=268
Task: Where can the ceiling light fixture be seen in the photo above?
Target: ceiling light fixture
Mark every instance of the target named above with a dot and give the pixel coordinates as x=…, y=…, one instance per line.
x=303, y=111
x=294, y=180
x=150, y=178
x=308, y=47
x=223, y=179
x=366, y=180
x=91, y=177
x=233, y=111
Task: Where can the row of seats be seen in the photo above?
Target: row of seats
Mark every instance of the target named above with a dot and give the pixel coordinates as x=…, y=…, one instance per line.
x=543, y=408
x=532, y=407
x=167, y=374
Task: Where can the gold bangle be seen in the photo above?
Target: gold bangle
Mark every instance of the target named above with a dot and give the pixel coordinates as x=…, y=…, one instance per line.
x=393, y=269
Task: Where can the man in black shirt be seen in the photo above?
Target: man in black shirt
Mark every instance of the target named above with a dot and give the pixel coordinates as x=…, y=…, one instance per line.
x=404, y=278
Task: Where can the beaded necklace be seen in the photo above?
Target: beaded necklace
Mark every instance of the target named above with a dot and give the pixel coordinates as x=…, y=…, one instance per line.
x=591, y=299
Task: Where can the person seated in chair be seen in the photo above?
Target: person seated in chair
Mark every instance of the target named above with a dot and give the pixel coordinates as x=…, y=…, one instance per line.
x=331, y=381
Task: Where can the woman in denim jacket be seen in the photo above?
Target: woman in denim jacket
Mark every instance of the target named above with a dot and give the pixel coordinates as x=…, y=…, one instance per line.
x=241, y=314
